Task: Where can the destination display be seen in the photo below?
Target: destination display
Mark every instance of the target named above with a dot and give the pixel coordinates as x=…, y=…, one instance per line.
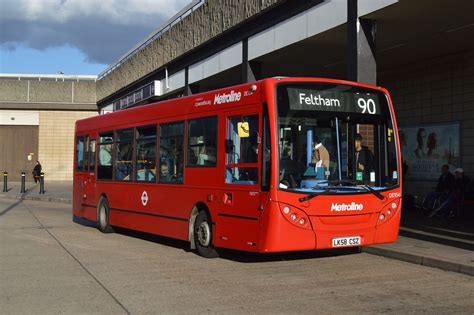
x=312, y=99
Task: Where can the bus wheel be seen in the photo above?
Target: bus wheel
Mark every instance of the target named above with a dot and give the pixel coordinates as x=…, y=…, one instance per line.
x=203, y=236
x=103, y=216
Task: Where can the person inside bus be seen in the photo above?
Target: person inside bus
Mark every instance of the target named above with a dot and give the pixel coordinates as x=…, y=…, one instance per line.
x=363, y=157
x=251, y=155
x=444, y=188
x=165, y=174
x=320, y=158
x=292, y=170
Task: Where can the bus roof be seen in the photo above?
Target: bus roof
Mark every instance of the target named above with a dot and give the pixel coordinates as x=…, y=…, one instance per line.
x=225, y=98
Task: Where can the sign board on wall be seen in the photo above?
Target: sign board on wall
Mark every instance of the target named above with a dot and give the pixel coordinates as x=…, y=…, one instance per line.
x=425, y=148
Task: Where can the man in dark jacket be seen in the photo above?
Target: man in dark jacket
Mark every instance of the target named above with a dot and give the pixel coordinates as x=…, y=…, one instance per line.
x=37, y=172
x=363, y=158
x=444, y=188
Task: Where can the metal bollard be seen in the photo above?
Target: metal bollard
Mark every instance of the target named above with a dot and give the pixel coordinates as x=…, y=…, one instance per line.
x=5, y=182
x=23, y=177
x=41, y=183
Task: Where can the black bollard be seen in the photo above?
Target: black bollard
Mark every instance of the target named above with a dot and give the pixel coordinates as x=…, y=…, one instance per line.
x=42, y=183
x=5, y=182
x=23, y=177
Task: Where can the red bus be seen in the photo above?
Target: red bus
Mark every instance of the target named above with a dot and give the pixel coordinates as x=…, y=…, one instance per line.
x=282, y=164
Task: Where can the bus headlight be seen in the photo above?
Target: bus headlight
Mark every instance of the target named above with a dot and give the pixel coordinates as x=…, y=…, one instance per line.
x=389, y=212
x=382, y=217
x=394, y=205
x=295, y=216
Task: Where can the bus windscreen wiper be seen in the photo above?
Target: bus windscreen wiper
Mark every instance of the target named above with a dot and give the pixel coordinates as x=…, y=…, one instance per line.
x=311, y=196
x=373, y=191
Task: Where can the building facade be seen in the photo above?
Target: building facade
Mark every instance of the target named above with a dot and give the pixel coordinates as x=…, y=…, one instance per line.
x=37, y=119
x=420, y=50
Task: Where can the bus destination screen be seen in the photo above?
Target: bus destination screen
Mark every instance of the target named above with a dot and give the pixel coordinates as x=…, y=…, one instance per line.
x=334, y=101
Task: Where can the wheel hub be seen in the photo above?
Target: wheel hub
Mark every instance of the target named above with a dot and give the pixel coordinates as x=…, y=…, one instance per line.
x=204, y=234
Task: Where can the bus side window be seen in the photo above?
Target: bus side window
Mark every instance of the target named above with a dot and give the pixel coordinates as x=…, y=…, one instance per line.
x=145, y=163
x=202, y=142
x=124, y=154
x=92, y=155
x=106, y=146
x=171, y=153
x=80, y=158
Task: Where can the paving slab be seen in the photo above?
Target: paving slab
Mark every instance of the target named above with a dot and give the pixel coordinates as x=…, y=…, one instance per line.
x=427, y=254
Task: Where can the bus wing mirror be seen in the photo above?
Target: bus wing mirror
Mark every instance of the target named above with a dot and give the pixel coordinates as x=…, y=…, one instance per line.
x=229, y=146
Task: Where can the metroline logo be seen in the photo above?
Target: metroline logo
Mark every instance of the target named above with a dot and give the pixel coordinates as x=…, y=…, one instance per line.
x=227, y=98
x=347, y=207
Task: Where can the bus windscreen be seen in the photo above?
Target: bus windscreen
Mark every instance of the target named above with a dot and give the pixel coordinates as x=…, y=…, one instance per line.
x=334, y=133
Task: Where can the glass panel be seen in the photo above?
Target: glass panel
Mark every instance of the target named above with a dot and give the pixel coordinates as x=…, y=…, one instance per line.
x=106, y=137
x=104, y=169
x=241, y=175
x=244, y=149
x=202, y=142
x=124, y=155
x=125, y=135
x=92, y=155
x=146, y=154
x=80, y=154
x=171, y=153
x=335, y=132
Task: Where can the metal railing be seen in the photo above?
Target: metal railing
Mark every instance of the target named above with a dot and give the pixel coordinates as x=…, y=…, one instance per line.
x=195, y=4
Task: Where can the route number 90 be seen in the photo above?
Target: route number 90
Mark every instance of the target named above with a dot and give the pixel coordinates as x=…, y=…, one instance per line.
x=367, y=105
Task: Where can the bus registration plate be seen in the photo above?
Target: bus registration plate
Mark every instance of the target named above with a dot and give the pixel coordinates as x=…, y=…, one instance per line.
x=346, y=241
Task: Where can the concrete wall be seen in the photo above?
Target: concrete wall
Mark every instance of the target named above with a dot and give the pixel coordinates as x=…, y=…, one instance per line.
x=211, y=19
x=436, y=91
x=47, y=91
x=56, y=142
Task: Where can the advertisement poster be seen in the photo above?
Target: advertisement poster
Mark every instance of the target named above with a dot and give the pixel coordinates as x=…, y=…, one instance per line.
x=426, y=148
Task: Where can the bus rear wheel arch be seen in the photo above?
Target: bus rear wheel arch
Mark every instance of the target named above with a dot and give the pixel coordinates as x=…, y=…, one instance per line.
x=103, y=212
x=201, y=236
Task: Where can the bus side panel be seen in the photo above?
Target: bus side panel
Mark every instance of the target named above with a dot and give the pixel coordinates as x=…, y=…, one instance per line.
x=77, y=195
x=277, y=234
x=236, y=222
x=148, y=208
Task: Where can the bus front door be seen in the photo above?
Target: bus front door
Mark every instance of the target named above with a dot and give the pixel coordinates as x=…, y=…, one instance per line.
x=239, y=217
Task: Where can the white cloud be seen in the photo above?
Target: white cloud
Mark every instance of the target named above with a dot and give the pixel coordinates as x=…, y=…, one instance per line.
x=114, y=11
x=102, y=29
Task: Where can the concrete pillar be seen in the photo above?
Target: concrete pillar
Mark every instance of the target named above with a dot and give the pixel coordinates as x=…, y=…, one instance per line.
x=361, y=62
x=248, y=74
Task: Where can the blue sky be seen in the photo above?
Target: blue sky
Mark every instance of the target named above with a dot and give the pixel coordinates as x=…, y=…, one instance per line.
x=66, y=59
x=75, y=36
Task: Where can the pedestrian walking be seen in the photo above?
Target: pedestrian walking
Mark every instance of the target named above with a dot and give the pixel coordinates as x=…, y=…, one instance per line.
x=37, y=172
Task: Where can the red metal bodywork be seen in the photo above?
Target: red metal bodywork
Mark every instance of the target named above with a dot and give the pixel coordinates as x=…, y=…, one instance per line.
x=254, y=220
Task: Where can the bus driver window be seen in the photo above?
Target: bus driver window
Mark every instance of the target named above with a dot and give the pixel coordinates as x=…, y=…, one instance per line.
x=242, y=150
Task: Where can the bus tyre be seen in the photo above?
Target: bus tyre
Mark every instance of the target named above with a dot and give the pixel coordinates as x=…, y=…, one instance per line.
x=103, y=216
x=203, y=236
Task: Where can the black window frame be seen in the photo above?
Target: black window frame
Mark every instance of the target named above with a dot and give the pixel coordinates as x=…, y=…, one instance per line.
x=216, y=141
x=118, y=142
x=160, y=140
x=82, y=169
x=136, y=142
x=112, y=161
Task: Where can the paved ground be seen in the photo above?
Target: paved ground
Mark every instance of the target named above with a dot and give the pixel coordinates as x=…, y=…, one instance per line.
x=51, y=265
x=57, y=191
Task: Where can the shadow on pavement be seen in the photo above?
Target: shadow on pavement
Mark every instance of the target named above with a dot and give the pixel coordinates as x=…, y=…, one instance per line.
x=228, y=254
x=457, y=232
